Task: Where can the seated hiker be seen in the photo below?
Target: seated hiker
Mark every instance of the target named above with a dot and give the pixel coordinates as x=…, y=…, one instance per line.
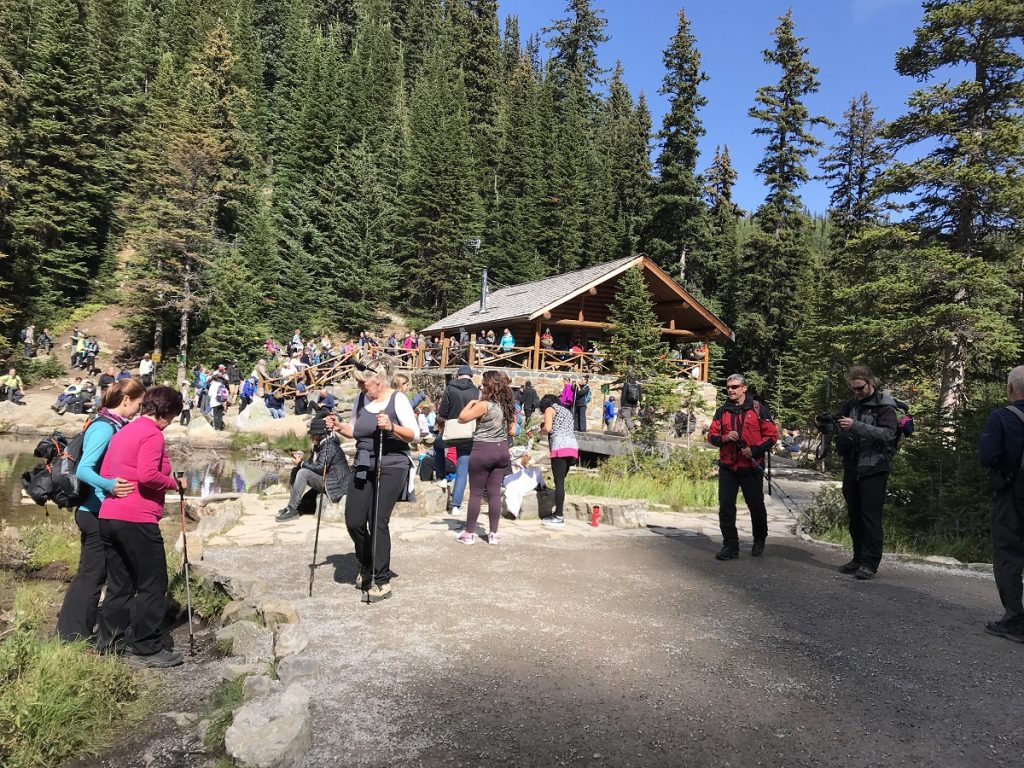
x=13, y=386
x=66, y=397
x=325, y=402
x=275, y=403
x=325, y=471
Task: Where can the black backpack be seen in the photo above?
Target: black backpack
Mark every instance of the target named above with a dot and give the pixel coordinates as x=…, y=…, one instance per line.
x=630, y=393
x=56, y=480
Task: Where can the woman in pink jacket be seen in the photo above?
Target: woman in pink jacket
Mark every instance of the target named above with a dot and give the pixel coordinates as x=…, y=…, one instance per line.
x=130, y=531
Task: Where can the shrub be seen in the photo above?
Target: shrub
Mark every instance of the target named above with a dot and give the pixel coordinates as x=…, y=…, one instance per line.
x=37, y=369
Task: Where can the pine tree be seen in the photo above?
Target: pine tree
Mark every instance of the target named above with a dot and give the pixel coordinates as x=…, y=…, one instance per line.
x=851, y=167
x=786, y=123
x=234, y=329
x=11, y=95
x=574, y=44
x=678, y=236
x=723, y=254
x=968, y=189
x=441, y=205
x=776, y=261
x=511, y=47
x=635, y=347
x=58, y=228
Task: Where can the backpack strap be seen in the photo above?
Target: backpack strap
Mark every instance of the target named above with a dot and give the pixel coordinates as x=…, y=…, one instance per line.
x=1020, y=415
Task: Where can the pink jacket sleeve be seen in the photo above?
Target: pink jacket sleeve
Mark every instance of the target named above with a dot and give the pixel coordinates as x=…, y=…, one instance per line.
x=150, y=463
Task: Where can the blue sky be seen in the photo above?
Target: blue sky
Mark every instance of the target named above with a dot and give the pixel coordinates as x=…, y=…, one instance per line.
x=852, y=42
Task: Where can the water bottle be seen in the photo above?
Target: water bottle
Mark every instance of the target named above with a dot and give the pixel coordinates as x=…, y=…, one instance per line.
x=595, y=515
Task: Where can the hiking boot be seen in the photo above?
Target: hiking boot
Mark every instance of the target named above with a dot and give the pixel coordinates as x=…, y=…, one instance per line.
x=492, y=538
x=158, y=660
x=728, y=552
x=758, y=549
x=362, y=579
x=1014, y=632
x=287, y=514
x=553, y=521
x=466, y=538
x=378, y=592
x=865, y=573
x=851, y=567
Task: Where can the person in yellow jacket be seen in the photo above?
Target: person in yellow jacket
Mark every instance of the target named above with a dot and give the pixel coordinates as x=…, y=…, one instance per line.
x=12, y=386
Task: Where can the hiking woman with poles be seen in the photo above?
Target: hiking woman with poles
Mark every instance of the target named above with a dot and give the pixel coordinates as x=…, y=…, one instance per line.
x=383, y=424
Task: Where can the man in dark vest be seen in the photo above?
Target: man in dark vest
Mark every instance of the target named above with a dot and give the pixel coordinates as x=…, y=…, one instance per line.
x=1001, y=449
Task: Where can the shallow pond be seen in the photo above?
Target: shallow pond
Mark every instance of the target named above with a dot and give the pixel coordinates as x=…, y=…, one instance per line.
x=205, y=474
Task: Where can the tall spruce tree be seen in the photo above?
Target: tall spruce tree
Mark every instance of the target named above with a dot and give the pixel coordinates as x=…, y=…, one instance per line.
x=574, y=41
x=678, y=236
x=967, y=191
x=58, y=224
x=850, y=168
x=777, y=260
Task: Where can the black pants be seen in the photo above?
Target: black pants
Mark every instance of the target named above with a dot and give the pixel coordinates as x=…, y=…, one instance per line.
x=301, y=405
x=359, y=510
x=1008, y=552
x=77, y=617
x=136, y=585
x=580, y=419
x=559, y=469
x=730, y=482
x=243, y=403
x=864, y=499
x=218, y=417
x=147, y=380
x=186, y=417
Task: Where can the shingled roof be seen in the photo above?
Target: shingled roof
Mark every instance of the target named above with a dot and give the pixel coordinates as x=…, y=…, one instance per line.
x=529, y=300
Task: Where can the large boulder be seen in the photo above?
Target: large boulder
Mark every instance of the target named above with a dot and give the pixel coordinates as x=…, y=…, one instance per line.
x=219, y=517
x=248, y=640
x=272, y=732
x=298, y=669
x=276, y=611
x=290, y=639
x=238, y=585
x=253, y=417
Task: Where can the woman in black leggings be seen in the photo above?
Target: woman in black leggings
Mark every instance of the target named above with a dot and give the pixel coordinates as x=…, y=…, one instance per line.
x=495, y=414
x=565, y=451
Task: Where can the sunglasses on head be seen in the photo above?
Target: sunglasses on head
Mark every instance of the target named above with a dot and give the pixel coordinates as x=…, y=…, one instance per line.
x=373, y=365
x=861, y=388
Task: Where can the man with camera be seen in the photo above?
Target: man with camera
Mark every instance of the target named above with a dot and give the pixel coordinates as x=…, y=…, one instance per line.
x=867, y=442
x=743, y=431
x=325, y=471
x=1001, y=449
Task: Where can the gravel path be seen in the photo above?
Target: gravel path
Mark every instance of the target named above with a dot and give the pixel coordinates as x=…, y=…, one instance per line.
x=638, y=648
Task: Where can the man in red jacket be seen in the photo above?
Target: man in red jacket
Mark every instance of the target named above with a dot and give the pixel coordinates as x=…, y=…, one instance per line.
x=744, y=432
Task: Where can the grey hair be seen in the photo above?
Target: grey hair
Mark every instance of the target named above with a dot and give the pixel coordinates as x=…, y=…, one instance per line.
x=736, y=377
x=1016, y=380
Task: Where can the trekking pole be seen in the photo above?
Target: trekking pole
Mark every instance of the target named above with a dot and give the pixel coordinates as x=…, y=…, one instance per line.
x=769, y=463
x=316, y=537
x=379, y=437
x=184, y=552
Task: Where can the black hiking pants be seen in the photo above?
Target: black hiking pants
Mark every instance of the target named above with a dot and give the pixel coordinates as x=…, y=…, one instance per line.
x=864, y=499
x=77, y=617
x=218, y=417
x=359, y=515
x=186, y=417
x=730, y=482
x=1008, y=552
x=136, y=585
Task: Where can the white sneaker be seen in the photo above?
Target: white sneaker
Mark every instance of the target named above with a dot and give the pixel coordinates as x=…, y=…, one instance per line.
x=456, y=512
x=555, y=521
x=442, y=483
x=492, y=538
x=466, y=538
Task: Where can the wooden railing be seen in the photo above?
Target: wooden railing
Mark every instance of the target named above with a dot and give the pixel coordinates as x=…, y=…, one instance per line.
x=486, y=355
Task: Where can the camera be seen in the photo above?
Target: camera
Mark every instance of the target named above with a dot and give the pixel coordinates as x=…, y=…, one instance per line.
x=826, y=419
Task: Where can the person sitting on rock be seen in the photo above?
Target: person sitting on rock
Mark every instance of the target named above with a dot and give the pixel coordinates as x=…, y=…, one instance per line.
x=275, y=403
x=13, y=386
x=68, y=395
x=325, y=471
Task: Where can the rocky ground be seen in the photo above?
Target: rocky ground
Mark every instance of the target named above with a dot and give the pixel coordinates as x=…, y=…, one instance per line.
x=627, y=647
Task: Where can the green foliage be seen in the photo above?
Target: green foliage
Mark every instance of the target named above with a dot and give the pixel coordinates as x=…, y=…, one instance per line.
x=53, y=543
x=208, y=600
x=226, y=699
x=635, y=347
x=36, y=369
x=281, y=443
x=682, y=479
x=56, y=701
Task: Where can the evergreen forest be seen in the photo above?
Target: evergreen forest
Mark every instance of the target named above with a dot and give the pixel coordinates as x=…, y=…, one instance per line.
x=238, y=168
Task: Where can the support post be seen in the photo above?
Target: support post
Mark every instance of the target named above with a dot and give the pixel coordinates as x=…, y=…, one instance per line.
x=705, y=366
x=472, y=350
x=536, y=346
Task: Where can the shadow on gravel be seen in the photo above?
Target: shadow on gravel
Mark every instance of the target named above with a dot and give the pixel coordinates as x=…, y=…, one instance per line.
x=346, y=567
x=707, y=546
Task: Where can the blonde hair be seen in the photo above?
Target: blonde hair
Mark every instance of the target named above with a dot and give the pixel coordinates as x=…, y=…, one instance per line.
x=399, y=380
x=365, y=367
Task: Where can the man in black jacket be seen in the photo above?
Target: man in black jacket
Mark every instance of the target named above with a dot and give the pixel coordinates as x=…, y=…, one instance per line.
x=325, y=471
x=1001, y=449
x=457, y=394
x=529, y=399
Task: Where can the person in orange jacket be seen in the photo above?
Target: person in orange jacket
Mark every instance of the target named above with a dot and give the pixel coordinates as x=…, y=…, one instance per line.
x=743, y=431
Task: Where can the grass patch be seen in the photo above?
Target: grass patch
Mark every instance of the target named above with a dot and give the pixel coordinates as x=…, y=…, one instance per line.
x=281, y=444
x=226, y=699
x=679, y=493
x=208, y=600
x=681, y=479
x=56, y=701
x=53, y=543
x=76, y=315
x=825, y=519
